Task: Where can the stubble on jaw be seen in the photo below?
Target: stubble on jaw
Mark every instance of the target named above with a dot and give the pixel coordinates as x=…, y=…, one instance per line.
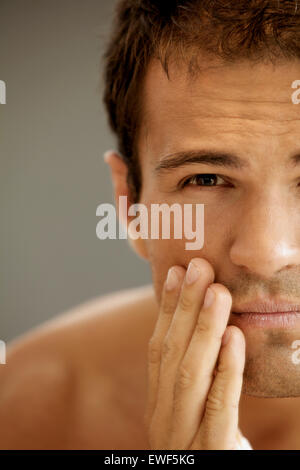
x=269, y=370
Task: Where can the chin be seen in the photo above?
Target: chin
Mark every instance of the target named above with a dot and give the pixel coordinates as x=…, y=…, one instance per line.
x=271, y=377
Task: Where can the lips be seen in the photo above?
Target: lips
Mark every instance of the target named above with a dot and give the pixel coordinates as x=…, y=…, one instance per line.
x=267, y=313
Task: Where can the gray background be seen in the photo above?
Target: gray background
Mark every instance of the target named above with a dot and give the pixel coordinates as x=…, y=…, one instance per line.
x=53, y=132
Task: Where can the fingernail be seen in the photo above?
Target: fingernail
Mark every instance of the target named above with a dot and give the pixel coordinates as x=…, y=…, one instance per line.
x=209, y=298
x=192, y=274
x=172, y=279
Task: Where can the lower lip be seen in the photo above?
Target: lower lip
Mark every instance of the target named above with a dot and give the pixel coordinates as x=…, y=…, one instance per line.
x=267, y=320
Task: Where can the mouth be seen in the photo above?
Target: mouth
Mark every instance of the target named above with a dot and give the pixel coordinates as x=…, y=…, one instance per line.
x=266, y=314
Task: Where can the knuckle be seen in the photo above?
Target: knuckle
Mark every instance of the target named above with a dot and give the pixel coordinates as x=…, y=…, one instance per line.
x=185, y=378
x=168, y=309
x=170, y=349
x=218, y=401
x=228, y=372
x=202, y=328
x=154, y=351
x=185, y=303
x=214, y=403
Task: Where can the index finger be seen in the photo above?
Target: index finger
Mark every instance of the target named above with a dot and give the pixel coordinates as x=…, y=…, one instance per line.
x=169, y=299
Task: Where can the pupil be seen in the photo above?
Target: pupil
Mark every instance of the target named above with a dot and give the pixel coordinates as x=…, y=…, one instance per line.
x=208, y=179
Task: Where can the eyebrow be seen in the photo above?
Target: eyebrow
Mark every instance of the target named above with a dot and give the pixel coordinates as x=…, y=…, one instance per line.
x=208, y=157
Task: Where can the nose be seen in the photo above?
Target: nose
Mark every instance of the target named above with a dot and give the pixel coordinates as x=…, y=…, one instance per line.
x=267, y=238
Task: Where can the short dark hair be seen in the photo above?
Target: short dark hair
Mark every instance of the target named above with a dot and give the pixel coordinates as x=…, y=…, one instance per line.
x=231, y=30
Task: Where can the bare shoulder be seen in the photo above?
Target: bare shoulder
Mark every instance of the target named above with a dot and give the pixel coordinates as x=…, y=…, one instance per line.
x=63, y=380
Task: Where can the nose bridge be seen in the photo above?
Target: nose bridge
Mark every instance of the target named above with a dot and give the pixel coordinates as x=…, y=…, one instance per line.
x=266, y=240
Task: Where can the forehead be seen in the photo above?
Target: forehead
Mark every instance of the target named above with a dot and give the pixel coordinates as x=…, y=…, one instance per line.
x=240, y=100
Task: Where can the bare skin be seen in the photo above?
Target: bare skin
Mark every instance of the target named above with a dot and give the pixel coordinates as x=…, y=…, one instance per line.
x=196, y=365
x=81, y=382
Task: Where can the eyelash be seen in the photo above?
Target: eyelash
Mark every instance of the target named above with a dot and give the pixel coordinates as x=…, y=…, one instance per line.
x=187, y=181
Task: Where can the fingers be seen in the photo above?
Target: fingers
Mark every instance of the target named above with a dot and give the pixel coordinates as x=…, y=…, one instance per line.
x=199, y=275
x=194, y=374
x=218, y=429
x=196, y=370
x=183, y=324
x=169, y=299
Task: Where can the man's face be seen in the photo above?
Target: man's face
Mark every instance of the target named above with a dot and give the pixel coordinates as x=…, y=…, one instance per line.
x=252, y=208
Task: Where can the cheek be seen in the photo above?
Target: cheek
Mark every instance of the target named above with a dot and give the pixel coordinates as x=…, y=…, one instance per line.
x=166, y=253
x=218, y=232
x=218, y=239
x=163, y=254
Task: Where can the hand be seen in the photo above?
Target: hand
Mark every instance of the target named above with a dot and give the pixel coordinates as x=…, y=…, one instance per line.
x=195, y=365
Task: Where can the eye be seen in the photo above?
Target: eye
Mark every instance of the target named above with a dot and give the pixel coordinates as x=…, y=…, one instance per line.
x=207, y=180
